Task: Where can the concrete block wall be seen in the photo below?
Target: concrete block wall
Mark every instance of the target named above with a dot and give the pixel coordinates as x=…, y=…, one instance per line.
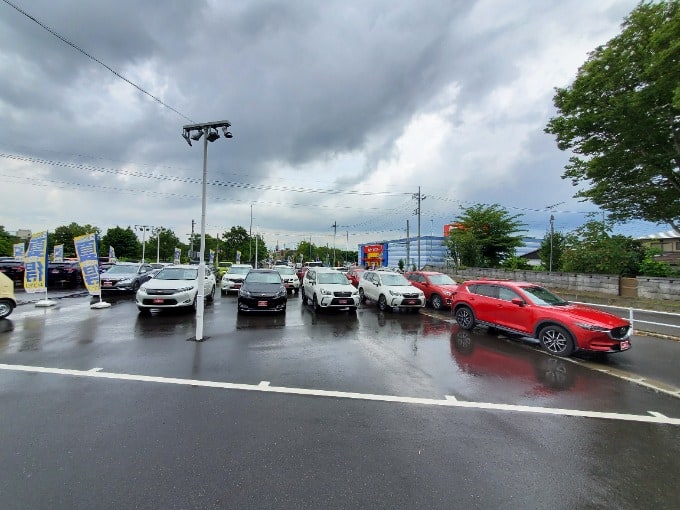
x=658, y=288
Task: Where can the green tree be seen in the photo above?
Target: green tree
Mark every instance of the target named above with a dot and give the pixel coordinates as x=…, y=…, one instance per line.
x=238, y=239
x=558, y=246
x=7, y=242
x=651, y=267
x=621, y=119
x=124, y=242
x=65, y=234
x=486, y=235
x=592, y=249
x=166, y=250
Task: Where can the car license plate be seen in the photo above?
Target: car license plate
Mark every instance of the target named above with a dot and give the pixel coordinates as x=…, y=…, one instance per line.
x=625, y=345
x=342, y=301
x=261, y=303
x=54, y=271
x=410, y=301
x=158, y=301
x=107, y=284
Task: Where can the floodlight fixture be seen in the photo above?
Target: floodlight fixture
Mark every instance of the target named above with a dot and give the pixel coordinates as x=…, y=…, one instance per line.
x=226, y=132
x=213, y=135
x=197, y=135
x=185, y=135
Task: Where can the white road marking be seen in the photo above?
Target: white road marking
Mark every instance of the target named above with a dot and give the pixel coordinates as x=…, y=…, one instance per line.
x=656, y=418
x=96, y=369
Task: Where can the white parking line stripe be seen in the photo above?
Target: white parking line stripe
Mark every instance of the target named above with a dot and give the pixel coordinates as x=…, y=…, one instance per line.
x=660, y=419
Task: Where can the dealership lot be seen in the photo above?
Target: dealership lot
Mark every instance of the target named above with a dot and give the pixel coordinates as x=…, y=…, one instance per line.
x=305, y=409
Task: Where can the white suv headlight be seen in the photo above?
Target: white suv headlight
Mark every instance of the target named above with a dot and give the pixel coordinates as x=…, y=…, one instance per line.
x=325, y=292
x=395, y=293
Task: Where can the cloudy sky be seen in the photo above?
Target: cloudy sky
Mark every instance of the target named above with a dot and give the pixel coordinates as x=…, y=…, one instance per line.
x=341, y=111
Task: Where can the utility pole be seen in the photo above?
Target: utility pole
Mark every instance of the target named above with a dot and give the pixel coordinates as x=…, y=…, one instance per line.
x=552, y=233
x=408, y=248
x=250, y=244
x=191, y=242
x=334, y=226
x=144, y=229
x=419, y=197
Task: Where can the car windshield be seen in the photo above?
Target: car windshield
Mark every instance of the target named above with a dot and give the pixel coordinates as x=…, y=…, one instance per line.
x=393, y=279
x=543, y=297
x=286, y=270
x=441, y=279
x=331, y=278
x=269, y=277
x=119, y=269
x=177, y=273
x=238, y=270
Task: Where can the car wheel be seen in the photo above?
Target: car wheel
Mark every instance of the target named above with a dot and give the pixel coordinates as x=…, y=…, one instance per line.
x=193, y=305
x=5, y=308
x=437, y=301
x=304, y=297
x=556, y=340
x=465, y=317
x=382, y=304
x=362, y=296
x=211, y=296
x=144, y=311
x=223, y=292
x=315, y=303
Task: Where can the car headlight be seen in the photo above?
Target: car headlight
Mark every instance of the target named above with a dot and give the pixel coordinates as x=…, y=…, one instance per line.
x=447, y=293
x=325, y=292
x=243, y=292
x=395, y=293
x=592, y=327
x=355, y=292
x=185, y=289
x=125, y=280
x=282, y=292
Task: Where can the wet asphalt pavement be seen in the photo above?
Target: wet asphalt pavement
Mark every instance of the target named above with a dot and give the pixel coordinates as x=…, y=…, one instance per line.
x=111, y=409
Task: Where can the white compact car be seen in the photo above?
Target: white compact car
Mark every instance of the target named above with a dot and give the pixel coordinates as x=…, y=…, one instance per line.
x=233, y=278
x=390, y=290
x=289, y=277
x=174, y=287
x=328, y=288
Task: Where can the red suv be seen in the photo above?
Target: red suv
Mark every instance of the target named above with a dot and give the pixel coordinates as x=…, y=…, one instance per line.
x=438, y=287
x=530, y=310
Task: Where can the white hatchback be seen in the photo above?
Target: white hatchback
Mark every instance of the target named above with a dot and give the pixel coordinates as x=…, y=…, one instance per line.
x=327, y=288
x=174, y=286
x=390, y=290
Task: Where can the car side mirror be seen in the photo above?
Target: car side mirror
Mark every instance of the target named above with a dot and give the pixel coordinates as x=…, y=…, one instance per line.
x=517, y=301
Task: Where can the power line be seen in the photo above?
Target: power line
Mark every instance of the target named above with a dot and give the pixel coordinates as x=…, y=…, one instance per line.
x=78, y=48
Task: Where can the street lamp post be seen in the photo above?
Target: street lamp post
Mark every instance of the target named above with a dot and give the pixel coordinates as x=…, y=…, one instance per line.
x=158, y=231
x=144, y=229
x=209, y=133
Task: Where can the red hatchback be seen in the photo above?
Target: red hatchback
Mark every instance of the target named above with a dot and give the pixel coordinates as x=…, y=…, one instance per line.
x=438, y=287
x=354, y=275
x=530, y=310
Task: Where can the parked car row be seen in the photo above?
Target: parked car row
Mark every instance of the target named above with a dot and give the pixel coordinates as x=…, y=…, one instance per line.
x=516, y=308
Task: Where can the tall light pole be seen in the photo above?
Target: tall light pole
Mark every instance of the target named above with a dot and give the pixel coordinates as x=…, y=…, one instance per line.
x=144, y=229
x=209, y=133
x=158, y=231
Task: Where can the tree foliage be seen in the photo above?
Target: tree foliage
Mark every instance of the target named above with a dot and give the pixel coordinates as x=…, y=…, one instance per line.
x=7, y=242
x=621, y=119
x=592, y=249
x=124, y=242
x=558, y=246
x=65, y=234
x=486, y=235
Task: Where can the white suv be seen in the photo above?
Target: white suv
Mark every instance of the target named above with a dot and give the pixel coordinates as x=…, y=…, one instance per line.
x=327, y=288
x=390, y=290
x=289, y=277
x=233, y=278
x=174, y=286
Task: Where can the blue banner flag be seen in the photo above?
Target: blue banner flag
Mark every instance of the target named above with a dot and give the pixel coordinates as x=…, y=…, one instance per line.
x=86, y=248
x=238, y=257
x=35, y=264
x=211, y=261
x=178, y=252
x=112, y=254
x=58, y=253
x=18, y=250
